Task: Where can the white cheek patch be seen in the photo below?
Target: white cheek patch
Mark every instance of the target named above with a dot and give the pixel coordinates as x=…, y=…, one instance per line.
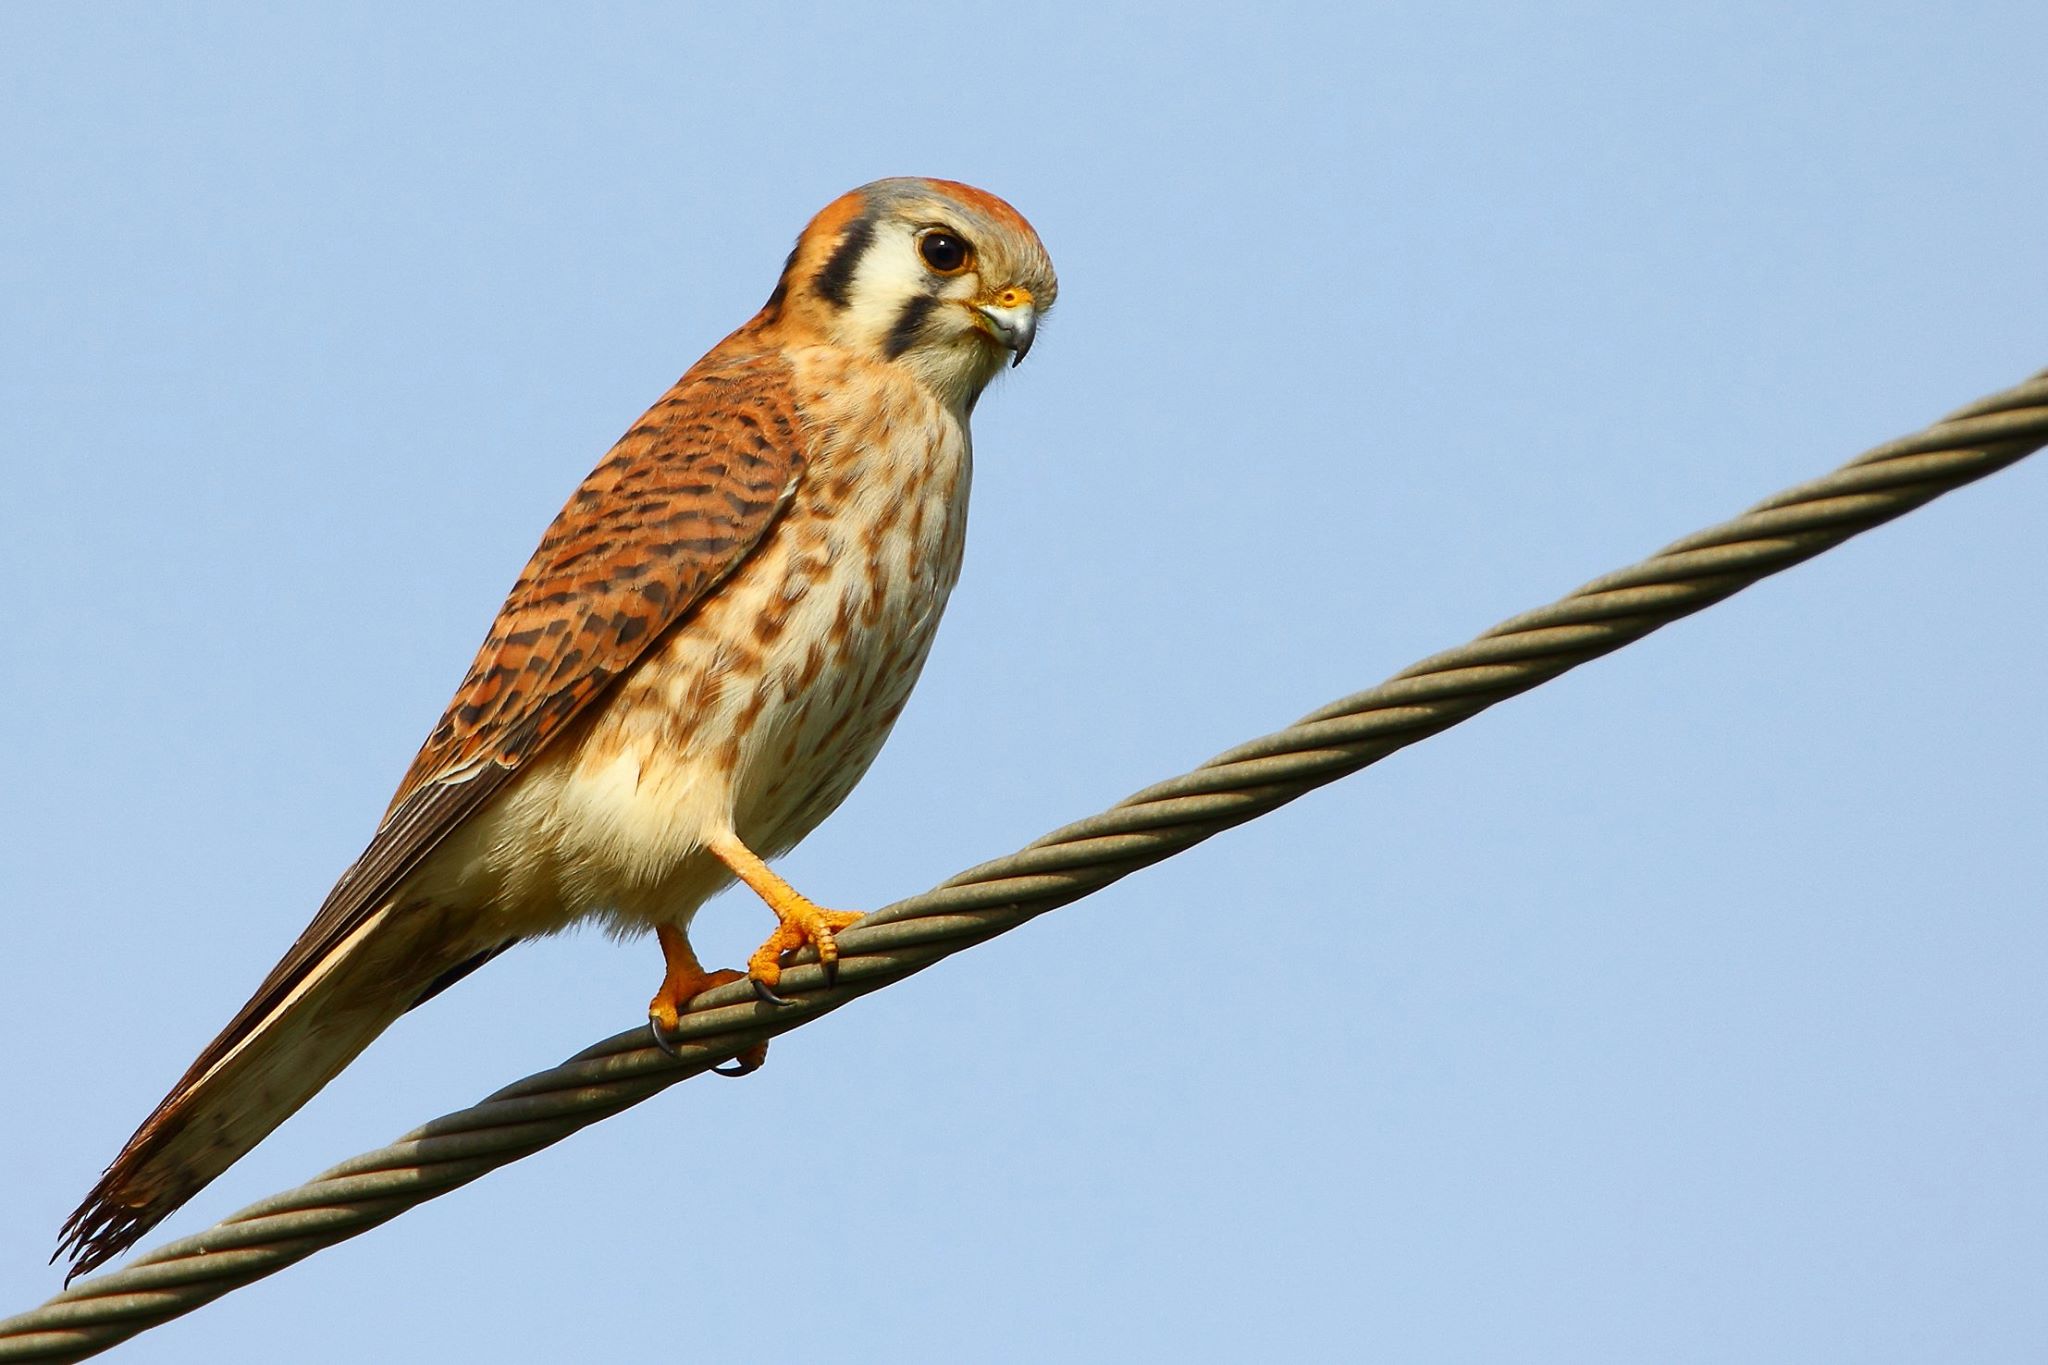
x=898, y=309
x=888, y=276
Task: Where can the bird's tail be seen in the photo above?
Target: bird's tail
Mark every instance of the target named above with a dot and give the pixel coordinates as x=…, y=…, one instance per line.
x=307, y=1021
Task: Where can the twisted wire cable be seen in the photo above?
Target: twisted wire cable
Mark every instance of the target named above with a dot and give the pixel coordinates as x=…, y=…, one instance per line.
x=1064, y=866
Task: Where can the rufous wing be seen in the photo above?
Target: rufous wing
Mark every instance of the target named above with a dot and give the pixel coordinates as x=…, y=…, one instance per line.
x=678, y=504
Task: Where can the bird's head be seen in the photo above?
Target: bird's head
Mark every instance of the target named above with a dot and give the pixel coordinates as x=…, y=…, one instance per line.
x=939, y=277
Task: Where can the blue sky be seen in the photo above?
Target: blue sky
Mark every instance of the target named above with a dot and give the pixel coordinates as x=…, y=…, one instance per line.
x=1687, y=1009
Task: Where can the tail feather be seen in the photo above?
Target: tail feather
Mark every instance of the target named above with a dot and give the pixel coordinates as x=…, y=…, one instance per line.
x=293, y=1037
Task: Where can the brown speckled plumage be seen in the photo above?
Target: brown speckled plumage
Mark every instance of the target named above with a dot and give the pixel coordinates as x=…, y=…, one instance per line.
x=700, y=660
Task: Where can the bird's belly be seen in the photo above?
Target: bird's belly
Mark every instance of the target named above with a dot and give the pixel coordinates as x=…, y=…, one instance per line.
x=758, y=714
x=826, y=702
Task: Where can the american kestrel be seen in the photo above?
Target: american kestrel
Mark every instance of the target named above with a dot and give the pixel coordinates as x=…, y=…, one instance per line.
x=698, y=663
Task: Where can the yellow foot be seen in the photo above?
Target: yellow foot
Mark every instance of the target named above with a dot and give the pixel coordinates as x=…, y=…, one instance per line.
x=685, y=980
x=802, y=924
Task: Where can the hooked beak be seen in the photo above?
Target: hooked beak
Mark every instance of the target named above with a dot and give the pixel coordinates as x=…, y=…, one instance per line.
x=1011, y=319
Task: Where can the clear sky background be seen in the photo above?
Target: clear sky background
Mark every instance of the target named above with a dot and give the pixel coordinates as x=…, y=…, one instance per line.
x=1688, y=1009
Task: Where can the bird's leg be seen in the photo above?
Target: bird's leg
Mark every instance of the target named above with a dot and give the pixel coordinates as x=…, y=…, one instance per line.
x=685, y=980
x=801, y=921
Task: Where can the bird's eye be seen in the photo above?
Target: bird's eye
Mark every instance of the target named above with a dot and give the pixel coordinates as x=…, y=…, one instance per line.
x=944, y=252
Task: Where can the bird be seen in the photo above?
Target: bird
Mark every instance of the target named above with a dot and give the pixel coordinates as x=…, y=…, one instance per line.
x=701, y=659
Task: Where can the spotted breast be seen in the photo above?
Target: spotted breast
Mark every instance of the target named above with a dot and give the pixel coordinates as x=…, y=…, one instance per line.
x=764, y=714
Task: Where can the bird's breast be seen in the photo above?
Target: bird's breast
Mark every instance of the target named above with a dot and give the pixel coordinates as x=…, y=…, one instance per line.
x=761, y=709
x=869, y=554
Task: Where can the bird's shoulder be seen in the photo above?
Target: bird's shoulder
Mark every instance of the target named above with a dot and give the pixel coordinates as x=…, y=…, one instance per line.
x=670, y=511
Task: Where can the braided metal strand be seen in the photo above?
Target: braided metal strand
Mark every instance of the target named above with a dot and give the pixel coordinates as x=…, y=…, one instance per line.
x=1069, y=863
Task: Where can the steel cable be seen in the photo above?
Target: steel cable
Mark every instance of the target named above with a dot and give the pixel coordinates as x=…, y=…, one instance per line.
x=1069, y=863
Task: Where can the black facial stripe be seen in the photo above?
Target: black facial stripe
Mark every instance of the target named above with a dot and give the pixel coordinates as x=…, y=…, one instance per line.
x=774, y=305
x=909, y=322
x=836, y=278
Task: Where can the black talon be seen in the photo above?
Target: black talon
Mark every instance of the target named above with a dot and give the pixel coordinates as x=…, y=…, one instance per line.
x=830, y=966
x=661, y=1041
x=737, y=1067
x=765, y=993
